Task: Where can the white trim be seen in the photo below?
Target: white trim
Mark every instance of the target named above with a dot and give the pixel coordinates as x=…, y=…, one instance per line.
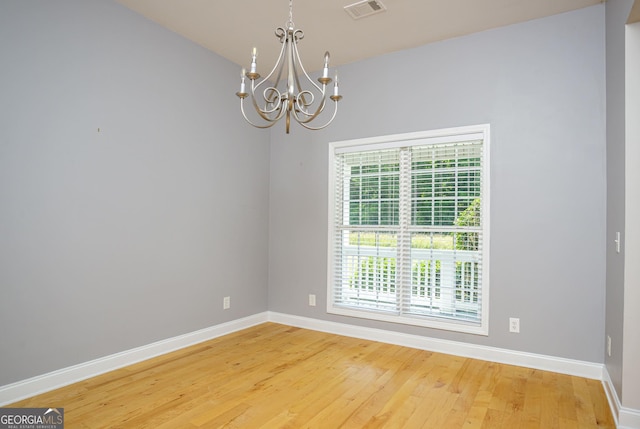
x=43, y=383
x=631, y=243
x=444, y=324
x=486, y=224
x=629, y=418
x=440, y=136
x=624, y=417
x=492, y=354
x=612, y=396
x=471, y=132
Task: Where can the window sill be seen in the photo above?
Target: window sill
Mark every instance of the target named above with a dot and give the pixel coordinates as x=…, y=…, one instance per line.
x=425, y=322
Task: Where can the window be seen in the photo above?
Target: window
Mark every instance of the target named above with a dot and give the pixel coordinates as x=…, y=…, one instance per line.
x=408, y=229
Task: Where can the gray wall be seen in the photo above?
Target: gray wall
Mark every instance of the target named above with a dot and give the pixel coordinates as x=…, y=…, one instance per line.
x=617, y=12
x=541, y=86
x=116, y=239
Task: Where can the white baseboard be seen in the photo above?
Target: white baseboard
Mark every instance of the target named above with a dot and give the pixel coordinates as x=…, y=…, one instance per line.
x=63, y=377
x=493, y=354
x=626, y=418
x=629, y=418
x=612, y=396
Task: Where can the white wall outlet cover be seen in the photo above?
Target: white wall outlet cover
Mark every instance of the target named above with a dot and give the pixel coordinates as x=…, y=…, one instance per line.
x=514, y=325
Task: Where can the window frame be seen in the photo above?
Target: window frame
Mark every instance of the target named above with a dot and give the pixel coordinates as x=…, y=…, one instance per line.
x=432, y=137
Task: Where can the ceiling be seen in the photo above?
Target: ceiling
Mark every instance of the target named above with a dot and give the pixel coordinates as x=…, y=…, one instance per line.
x=634, y=16
x=232, y=27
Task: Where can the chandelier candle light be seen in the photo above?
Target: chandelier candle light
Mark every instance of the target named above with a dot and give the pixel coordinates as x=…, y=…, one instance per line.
x=287, y=98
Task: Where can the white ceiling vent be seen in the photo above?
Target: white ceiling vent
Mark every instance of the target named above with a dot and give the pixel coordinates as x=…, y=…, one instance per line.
x=364, y=8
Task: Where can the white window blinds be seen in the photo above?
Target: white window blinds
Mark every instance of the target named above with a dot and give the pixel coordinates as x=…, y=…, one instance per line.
x=407, y=231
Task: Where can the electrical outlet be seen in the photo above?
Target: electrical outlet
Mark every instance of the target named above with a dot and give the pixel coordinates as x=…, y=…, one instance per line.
x=514, y=325
x=609, y=345
x=617, y=241
x=226, y=303
x=312, y=300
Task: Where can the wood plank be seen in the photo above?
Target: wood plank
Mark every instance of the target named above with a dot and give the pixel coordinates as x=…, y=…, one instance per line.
x=276, y=376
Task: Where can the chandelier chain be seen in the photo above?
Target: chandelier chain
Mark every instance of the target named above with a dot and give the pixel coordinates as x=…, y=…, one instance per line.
x=290, y=22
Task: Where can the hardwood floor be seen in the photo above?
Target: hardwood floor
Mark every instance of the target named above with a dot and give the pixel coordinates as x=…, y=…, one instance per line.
x=276, y=376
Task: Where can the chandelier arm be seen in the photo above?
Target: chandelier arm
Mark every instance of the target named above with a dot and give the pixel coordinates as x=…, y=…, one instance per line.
x=278, y=77
x=279, y=63
x=277, y=102
x=295, y=60
x=335, y=111
x=271, y=96
x=322, y=92
x=301, y=103
x=266, y=113
x=298, y=61
x=270, y=123
x=309, y=116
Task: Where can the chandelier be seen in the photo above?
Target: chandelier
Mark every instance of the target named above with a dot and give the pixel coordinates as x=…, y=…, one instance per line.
x=286, y=97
